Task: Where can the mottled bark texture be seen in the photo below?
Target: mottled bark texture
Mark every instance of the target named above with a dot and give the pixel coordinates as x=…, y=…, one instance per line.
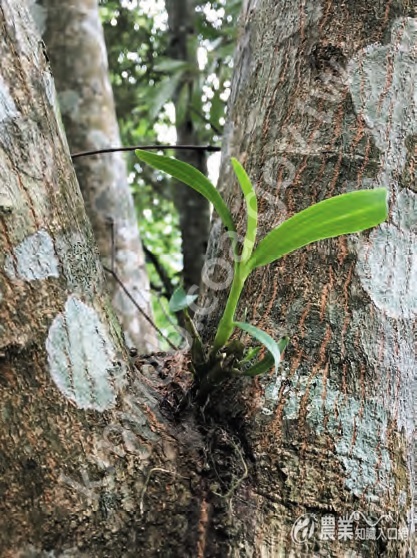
x=193, y=209
x=75, y=43
x=95, y=460
x=61, y=352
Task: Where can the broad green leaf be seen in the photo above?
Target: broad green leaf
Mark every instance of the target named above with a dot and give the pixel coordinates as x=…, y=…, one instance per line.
x=264, y=338
x=216, y=109
x=170, y=64
x=164, y=93
x=251, y=208
x=192, y=177
x=180, y=300
x=344, y=214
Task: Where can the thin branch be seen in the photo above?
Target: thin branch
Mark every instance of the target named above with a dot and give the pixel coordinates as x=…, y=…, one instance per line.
x=206, y=120
x=158, y=290
x=113, y=242
x=161, y=271
x=144, y=314
x=167, y=316
x=208, y=148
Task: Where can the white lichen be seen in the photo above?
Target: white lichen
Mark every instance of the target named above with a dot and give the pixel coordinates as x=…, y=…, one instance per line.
x=383, y=86
x=360, y=444
x=82, y=358
x=33, y=258
x=8, y=108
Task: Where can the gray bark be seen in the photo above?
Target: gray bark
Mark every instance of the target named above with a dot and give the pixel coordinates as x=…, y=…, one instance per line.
x=75, y=43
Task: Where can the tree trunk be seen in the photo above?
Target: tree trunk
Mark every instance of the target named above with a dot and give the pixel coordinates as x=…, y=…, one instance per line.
x=101, y=460
x=77, y=52
x=193, y=209
x=323, y=102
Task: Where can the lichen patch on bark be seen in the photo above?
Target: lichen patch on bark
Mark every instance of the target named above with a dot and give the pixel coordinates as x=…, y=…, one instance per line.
x=34, y=258
x=7, y=105
x=82, y=359
x=383, y=82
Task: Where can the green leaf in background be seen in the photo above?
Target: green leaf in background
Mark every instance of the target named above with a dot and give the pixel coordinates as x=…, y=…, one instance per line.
x=180, y=300
x=264, y=338
x=251, y=208
x=216, y=110
x=182, y=105
x=344, y=214
x=164, y=93
x=192, y=177
x=169, y=65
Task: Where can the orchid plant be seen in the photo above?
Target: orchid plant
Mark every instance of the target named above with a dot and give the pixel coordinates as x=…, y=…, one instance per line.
x=343, y=214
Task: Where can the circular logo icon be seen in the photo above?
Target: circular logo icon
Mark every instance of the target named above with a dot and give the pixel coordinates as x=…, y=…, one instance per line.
x=303, y=528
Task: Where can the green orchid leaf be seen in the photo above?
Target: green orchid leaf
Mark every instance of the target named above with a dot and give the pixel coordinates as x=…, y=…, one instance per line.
x=191, y=177
x=264, y=338
x=180, y=300
x=251, y=208
x=251, y=354
x=344, y=214
x=267, y=362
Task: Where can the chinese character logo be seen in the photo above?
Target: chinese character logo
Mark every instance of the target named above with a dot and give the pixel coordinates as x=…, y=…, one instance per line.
x=328, y=528
x=346, y=528
x=304, y=528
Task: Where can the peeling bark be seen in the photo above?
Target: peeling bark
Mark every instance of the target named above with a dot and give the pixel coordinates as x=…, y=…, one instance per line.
x=74, y=38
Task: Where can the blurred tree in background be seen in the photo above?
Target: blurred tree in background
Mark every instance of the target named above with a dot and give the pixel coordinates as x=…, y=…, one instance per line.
x=155, y=94
x=77, y=53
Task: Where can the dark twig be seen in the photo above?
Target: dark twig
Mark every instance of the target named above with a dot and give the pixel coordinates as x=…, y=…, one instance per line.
x=206, y=120
x=130, y=297
x=113, y=242
x=158, y=290
x=161, y=271
x=208, y=148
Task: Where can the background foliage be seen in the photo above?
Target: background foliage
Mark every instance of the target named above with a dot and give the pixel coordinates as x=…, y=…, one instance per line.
x=144, y=80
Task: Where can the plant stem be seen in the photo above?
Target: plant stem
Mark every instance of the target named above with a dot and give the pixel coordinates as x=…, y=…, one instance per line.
x=226, y=326
x=197, y=350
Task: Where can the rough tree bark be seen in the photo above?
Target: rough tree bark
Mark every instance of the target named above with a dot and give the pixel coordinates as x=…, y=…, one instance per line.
x=193, y=209
x=324, y=101
x=74, y=39
x=94, y=460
